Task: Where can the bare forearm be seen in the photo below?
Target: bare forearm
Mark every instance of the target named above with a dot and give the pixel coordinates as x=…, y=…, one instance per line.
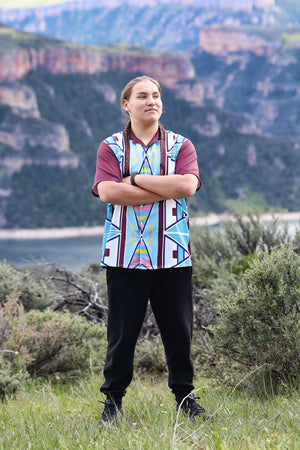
x=126, y=194
x=169, y=186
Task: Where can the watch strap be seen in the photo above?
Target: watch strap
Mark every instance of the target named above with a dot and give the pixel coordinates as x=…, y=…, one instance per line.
x=132, y=179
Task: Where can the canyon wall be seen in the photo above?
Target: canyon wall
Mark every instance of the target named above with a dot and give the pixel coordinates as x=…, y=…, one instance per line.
x=167, y=69
x=221, y=41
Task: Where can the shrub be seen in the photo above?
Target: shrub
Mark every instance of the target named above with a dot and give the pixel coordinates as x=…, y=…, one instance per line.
x=218, y=248
x=13, y=374
x=260, y=323
x=52, y=343
x=220, y=256
x=250, y=235
x=32, y=294
x=83, y=294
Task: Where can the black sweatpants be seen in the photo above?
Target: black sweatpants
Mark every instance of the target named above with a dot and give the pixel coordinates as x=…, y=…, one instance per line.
x=170, y=295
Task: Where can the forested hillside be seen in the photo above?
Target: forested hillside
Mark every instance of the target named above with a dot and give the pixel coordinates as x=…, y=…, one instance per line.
x=234, y=166
x=240, y=109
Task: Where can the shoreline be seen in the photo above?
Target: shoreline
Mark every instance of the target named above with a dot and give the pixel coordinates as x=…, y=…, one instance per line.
x=69, y=232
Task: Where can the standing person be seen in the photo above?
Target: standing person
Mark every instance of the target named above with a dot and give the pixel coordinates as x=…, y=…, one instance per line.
x=144, y=174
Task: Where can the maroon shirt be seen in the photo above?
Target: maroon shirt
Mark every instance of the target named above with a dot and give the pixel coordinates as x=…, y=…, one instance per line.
x=107, y=166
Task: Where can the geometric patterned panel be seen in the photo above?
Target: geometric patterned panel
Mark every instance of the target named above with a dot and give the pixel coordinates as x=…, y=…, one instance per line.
x=141, y=257
x=174, y=253
x=174, y=213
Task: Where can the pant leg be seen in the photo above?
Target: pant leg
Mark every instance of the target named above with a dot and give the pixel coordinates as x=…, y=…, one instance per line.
x=127, y=304
x=172, y=304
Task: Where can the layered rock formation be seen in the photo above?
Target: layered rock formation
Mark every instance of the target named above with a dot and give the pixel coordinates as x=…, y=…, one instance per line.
x=46, y=142
x=167, y=69
x=49, y=144
x=20, y=98
x=222, y=40
x=25, y=137
x=36, y=133
x=194, y=92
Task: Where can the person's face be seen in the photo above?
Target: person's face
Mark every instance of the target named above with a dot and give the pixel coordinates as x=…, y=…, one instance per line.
x=144, y=105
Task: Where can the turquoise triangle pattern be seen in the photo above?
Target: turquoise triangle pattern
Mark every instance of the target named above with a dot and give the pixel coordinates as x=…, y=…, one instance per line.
x=175, y=215
x=113, y=232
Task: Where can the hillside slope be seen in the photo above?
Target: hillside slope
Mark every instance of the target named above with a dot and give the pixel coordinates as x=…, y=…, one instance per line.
x=160, y=26
x=52, y=122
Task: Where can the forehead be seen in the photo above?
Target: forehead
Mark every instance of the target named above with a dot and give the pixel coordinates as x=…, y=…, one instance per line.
x=145, y=86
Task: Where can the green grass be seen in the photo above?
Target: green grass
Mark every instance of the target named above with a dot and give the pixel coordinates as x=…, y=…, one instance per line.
x=11, y=38
x=290, y=38
x=49, y=416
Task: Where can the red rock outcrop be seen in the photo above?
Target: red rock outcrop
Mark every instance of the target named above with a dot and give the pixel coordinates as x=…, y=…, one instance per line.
x=221, y=41
x=167, y=69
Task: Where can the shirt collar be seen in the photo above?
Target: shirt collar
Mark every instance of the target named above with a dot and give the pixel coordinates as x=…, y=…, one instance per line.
x=136, y=140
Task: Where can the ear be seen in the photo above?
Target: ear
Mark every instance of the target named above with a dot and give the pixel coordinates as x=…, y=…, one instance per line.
x=125, y=105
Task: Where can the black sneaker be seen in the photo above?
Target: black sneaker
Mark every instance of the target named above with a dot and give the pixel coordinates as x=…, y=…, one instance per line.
x=192, y=409
x=110, y=412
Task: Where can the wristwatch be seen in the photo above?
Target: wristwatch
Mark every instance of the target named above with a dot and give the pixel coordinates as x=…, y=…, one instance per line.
x=132, y=179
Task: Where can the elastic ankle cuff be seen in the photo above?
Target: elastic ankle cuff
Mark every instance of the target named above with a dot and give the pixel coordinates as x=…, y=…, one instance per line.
x=116, y=397
x=180, y=396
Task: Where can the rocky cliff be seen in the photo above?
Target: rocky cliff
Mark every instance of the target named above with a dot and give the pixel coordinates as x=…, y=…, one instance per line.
x=16, y=62
x=51, y=125
x=28, y=139
x=21, y=99
x=222, y=40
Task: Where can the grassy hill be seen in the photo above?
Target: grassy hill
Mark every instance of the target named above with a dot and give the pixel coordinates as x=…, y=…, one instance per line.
x=14, y=39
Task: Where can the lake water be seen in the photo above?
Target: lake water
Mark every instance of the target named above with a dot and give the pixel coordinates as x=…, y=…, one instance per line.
x=72, y=253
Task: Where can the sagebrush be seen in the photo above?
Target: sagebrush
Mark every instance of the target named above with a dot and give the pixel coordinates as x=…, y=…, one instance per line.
x=259, y=324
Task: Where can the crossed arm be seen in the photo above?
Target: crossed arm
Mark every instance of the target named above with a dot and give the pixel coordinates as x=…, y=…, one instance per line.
x=151, y=188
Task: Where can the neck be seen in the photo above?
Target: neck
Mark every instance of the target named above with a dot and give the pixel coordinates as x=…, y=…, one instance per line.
x=144, y=133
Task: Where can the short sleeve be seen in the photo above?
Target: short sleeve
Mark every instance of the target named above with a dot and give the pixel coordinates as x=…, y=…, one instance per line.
x=187, y=161
x=107, y=167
